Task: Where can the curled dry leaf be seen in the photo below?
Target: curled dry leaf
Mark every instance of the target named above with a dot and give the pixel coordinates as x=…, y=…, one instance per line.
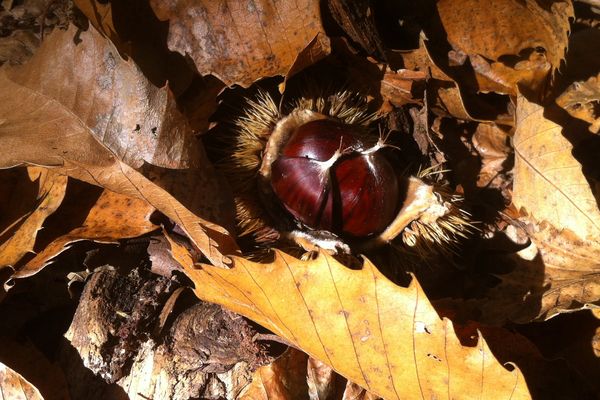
x=355, y=392
x=113, y=217
x=443, y=94
x=550, y=187
x=402, y=87
x=508, y=42
x=40, y=125
x=582, y=100
x=491, y=142
x=14, y=386
x=386, y=338
x=294, y=375
x=284, y=378
x=529, y=74
x=244, y=41
x=51, y=192
x=323, y=382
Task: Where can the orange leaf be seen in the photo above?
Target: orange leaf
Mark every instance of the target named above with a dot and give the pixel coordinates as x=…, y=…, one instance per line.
x=386, y=338
x=580, y=101
x=507, y=46
x=507, y=27
x=52, y=187
x=113, y=217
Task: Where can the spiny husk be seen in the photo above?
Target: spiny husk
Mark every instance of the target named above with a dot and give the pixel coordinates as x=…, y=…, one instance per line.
x=241, y=167
x=422, y=236
x=252, y=131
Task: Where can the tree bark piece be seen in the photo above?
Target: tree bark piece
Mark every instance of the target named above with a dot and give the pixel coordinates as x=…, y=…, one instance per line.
x=207, y=352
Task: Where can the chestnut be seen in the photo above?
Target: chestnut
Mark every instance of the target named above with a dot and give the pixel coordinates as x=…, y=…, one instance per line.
x=311, y=173
x=329, y=179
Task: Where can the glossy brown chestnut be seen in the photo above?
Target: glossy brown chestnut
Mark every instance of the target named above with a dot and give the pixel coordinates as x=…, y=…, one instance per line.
x=328, y=179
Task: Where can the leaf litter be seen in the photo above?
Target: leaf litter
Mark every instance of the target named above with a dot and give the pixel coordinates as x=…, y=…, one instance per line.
x=492, y=97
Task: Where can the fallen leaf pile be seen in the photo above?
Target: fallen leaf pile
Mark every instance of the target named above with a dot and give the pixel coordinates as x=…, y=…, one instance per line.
x=115, y=199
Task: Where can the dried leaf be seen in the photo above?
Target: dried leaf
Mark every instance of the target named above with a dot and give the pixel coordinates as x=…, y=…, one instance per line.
x=548, y=180
x=563, y=276
x=113, y=217
x=323, y=382
x=419, y=59
x=491, y=142
x=284, y=378
x=528, y=74
x=535, y=35
x=402, y=87
x=448, y=99
x=544, y=286
x=51, y=192
x=294, y=375
x=136, y=32
x=13, y=386
x=572, y=270
x=356, y=19
x=244, y=41
x=100, y=15
x=43, y=130
x=581, y=101
x=444, y=94
x=386, y=338
x=317, y=49
x=137, y=121
x=18, y=47
x=355, y=392
x=562, y=212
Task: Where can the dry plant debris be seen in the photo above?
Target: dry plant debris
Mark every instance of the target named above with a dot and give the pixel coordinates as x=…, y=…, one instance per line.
x=359, y=323
x=14, y=386
x=145, y=253
x=244, y=41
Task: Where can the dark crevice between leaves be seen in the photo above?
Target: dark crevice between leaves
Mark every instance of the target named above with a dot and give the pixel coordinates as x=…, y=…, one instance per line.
x=146, y=39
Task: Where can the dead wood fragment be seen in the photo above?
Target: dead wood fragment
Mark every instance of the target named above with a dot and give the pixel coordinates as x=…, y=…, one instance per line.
x=207, y=352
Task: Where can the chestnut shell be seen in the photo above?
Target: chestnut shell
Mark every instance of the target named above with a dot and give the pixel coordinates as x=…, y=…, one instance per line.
x=355, y=195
